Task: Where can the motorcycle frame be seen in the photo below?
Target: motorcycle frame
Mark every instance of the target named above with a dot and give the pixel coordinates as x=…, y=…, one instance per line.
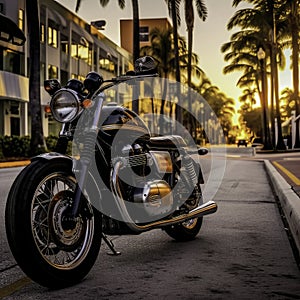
x=81, y=167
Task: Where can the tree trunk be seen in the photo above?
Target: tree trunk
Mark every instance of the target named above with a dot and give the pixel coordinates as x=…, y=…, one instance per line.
x=280, y=143
x=295, y=62
x=136, y=30
x=37, y=143
x=177, y=66
x=162, y=107
x=189, y=18
x=136, y=50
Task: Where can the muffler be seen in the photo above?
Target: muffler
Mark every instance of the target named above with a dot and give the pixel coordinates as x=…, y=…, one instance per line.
x=206, y=208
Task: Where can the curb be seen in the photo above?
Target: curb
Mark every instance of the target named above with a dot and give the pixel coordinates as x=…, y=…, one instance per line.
x=290, y=202
x=12, y=164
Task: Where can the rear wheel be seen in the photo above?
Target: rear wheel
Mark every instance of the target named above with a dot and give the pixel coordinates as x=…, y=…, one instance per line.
x=185, y=231
x=49, y=248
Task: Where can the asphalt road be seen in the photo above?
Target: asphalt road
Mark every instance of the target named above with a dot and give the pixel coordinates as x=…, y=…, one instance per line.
x=242, y=251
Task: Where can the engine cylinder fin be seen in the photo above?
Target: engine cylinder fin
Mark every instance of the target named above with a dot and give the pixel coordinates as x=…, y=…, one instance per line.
x=136, y=160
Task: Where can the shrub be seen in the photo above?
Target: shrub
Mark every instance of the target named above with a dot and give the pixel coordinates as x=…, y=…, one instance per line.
x=19, y=146
x=51, y=141
x=15, y=146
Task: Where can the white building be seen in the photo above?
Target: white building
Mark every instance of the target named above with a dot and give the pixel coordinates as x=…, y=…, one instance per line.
x=70, y=48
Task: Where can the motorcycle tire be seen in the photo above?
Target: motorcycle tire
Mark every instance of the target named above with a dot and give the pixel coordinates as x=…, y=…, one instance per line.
x=49, y=252
x=185, y=231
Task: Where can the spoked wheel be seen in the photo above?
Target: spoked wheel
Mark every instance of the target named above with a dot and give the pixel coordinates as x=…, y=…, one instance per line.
x=187, y=231
x=52, y=249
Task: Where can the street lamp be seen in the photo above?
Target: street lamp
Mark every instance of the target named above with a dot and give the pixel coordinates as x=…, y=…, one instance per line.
x=261, y=55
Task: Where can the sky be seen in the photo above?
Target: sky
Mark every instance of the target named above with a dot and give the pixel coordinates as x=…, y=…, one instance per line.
x=209, y=36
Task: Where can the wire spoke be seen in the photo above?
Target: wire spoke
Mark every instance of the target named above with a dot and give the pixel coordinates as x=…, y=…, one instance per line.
x=61, y=248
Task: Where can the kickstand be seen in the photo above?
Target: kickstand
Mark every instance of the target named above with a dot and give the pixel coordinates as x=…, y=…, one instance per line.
x=110, y=245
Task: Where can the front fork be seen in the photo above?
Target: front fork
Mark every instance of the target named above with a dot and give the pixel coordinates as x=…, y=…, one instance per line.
x=82, y=165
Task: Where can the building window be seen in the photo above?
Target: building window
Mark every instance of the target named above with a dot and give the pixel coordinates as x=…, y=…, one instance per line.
x=64, y=77
x=82, y=52
x=42, y=33
x=15, y=108
x=52, y=37
x=107, y=65
x=52, y=72
x=43, y=72
x=13, y=62
x=21, y=19
x=74, y=50
x=144, y=34
x=15, y=126
x=64, y=43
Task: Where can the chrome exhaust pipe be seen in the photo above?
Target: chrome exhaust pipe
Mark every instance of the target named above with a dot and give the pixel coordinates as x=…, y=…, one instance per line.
x=206, y=208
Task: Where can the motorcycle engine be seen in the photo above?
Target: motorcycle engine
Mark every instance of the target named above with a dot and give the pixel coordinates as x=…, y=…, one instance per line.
x=143, y=179
x=156, y=196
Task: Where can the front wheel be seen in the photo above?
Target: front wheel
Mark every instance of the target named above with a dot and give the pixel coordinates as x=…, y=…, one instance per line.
x=50, y=250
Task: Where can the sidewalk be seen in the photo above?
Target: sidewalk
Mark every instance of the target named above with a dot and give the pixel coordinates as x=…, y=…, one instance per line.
x=285, y=178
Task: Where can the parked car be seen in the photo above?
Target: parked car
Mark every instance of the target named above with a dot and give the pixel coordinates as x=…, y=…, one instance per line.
x=241, y=142
x=257, y=142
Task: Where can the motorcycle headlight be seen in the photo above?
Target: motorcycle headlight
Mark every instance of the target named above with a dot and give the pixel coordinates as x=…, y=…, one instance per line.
x=65, y=105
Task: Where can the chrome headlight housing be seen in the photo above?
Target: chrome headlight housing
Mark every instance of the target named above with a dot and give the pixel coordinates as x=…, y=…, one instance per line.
x=65, y=105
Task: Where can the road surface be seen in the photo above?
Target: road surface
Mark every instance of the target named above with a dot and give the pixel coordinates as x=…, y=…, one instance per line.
x=242, y=252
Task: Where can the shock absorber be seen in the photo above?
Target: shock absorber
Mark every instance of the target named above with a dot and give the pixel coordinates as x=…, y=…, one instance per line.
x=190, y=169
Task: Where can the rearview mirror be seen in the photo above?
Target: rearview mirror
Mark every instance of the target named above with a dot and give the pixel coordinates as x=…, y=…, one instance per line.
x=145, y=65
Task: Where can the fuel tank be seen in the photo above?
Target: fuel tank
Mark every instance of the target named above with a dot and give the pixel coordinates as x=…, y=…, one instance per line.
x=124, y=122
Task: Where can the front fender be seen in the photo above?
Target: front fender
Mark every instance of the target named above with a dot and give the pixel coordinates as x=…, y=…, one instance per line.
x=93, y=189
x=53, y=155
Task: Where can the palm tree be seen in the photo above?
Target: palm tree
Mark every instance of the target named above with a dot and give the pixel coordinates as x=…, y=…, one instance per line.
x=241, y=52
x=222, y=106
x=248, y=96
x=289, y=12
x=288, y=102
x=262, y=20
x=162, y=50
x=173, y=6
x=37, y=142
x=190, y=19
x=136, y=37
x=136, y=23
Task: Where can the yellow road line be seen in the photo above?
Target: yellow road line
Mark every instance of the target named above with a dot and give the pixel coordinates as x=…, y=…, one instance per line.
x=295, y=179
x=15, y=286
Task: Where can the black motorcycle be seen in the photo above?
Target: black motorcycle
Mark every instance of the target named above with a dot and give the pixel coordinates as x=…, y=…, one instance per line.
x=120, y=179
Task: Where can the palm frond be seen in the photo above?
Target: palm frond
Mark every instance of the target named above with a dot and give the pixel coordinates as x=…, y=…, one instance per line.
x=78, y=3
x=201, y=9
x=103, y=2
x=177, y=9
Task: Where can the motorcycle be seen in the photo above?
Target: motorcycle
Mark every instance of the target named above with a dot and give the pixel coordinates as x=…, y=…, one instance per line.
x=122, y=180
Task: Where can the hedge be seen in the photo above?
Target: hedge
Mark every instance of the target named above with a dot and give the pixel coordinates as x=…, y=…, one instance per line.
x=19, y=146
x=15, y=146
